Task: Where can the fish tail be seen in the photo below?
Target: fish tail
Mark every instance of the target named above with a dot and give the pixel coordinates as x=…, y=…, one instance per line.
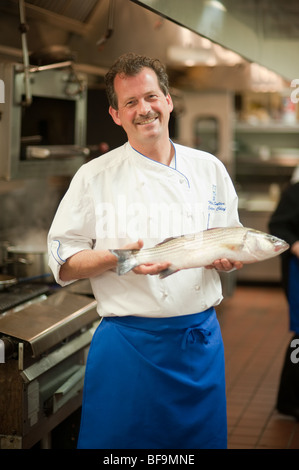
x=126, y=261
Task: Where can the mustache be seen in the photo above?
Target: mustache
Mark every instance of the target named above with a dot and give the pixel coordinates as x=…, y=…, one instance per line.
x=145, y=117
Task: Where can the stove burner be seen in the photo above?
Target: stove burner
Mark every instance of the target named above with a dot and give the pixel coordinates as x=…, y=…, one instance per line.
x=19, y=293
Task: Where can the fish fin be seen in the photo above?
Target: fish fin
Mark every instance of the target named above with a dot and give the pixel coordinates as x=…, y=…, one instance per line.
x=189, y=236
x=126, y=261
x=167, y=272
x=168, y=240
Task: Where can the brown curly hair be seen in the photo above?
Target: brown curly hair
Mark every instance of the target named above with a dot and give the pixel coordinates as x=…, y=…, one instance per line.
x=131, y=64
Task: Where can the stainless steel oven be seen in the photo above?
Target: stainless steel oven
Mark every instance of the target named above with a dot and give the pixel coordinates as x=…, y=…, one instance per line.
x=44, y=134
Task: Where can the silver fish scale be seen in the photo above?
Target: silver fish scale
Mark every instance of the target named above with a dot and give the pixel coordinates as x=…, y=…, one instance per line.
x=195, y=242
x=203, y=248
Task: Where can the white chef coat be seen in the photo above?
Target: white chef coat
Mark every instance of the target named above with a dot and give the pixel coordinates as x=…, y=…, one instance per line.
x=122, y=196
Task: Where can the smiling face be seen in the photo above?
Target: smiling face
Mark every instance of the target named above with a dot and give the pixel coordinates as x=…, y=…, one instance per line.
x=143, y=110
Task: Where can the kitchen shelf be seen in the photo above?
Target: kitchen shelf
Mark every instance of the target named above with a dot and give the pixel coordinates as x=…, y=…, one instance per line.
x=267, y=128
x=265, y=156
x=266, y=149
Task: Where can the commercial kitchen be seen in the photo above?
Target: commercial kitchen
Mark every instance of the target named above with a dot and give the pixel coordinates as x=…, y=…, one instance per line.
x=234, y=77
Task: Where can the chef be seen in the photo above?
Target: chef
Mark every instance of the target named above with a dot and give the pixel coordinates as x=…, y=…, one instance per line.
x=155, y=370
x=284, y=222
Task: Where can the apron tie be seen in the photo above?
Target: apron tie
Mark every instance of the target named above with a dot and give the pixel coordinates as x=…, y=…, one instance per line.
x=194, y=333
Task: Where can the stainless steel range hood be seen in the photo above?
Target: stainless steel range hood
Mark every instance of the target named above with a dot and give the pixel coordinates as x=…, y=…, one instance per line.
x=96, y=32
x=265, y=32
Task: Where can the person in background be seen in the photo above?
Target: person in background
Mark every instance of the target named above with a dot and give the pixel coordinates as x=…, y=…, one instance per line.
x=155, y=374
x=284, y=223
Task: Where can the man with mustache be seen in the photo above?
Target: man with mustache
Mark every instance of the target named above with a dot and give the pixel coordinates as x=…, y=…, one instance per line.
x=155, y=370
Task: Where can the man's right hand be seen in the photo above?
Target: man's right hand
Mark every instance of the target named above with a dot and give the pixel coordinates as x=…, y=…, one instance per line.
x=148, y=268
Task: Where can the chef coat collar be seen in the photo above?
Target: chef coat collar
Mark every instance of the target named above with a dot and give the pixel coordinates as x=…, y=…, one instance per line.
x=151, y=164
x=172, y=163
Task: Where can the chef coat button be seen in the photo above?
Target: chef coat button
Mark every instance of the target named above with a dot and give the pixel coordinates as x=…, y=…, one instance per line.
x=197, y=288
x=182, y=181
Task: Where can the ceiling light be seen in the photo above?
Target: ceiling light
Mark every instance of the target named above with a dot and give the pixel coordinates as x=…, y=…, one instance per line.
x=190, y=56
x=216, y=4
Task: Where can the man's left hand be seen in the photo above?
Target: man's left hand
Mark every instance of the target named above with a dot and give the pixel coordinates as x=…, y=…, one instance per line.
x=225, y=265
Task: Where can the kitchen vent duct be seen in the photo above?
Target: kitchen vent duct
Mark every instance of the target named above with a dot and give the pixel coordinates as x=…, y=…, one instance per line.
x=77, y=10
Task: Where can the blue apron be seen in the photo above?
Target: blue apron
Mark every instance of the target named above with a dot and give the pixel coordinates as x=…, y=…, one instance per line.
x=293, y=294
x=155, y=383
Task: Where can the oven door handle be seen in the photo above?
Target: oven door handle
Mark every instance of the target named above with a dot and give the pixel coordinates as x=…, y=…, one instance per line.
x=70, y=388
